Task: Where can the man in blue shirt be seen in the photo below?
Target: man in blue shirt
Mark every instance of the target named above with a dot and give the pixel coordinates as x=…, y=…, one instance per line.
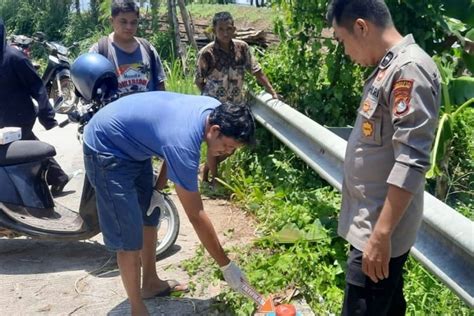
x=119, y=143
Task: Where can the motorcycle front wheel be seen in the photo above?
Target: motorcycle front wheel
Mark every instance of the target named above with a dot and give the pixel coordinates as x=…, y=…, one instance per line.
x=168, y=227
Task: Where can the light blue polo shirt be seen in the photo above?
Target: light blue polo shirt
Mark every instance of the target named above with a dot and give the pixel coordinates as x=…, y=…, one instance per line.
x=164, y=124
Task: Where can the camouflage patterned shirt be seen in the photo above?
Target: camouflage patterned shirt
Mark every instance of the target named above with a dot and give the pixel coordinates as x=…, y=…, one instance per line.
x=222, y=73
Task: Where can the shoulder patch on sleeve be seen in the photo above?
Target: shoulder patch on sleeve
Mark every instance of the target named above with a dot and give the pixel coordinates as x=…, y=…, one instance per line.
x=402, y=95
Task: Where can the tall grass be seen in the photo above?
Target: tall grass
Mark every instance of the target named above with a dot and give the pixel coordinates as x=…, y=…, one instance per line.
x=178, y=79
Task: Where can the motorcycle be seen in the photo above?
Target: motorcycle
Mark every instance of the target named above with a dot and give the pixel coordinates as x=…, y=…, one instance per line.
x=56, y=77
x=22, y=43
x=27, y=207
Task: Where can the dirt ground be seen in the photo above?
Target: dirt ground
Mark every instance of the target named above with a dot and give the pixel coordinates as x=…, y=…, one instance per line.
x=81, y=277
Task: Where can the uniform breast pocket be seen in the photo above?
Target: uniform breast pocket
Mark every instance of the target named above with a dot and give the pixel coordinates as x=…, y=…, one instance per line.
x=370, y=124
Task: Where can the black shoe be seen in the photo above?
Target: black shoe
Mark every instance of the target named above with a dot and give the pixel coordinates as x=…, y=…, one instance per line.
x=58, y=189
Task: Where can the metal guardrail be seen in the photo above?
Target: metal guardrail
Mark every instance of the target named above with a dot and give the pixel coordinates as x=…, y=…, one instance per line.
x=445, y=241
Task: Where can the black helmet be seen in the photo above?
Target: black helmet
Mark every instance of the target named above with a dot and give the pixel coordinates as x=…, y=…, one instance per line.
x=92, y=71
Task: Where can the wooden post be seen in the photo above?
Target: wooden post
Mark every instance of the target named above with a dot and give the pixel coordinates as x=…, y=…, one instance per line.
x=187, y=24
x=174, y=27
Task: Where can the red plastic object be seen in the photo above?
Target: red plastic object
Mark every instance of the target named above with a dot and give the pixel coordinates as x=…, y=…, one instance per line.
x=285, y=310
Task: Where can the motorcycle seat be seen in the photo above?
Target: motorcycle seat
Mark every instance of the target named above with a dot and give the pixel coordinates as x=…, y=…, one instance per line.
x=24, y=151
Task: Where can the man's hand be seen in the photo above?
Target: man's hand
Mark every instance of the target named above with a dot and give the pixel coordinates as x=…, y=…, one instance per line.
x=275, y=95
x=233, y=276
x=194, y=209
x=378, y=250
x=157, y=200
x=376, y=257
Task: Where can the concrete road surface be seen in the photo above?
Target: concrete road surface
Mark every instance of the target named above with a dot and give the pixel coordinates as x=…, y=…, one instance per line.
x=81, y=277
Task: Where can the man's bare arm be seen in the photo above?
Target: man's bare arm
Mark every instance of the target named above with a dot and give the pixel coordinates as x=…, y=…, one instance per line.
x=194, y=209
x=263, y=80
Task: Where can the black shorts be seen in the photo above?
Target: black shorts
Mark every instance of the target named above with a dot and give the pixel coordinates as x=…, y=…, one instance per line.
x=364, y=297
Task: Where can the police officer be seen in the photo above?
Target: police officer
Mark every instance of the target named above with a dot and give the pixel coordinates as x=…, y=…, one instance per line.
x=387, y=154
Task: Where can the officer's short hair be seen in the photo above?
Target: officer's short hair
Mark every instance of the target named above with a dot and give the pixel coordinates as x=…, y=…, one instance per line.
x=345, y=12
x=124, y=6
x=235, y=121
x=222, y=17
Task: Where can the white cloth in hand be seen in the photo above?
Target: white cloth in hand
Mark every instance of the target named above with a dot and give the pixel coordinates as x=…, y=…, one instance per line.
x=234, y=276
x=157, y=200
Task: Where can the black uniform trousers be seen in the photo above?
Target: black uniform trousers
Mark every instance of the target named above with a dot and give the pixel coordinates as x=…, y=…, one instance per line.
x=364, y=297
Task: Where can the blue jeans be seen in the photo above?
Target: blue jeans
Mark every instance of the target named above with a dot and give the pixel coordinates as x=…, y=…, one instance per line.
x=123, y=191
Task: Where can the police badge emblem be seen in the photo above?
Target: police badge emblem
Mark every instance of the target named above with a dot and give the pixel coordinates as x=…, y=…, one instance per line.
x=368, y=128
x=401, y=107
x=402, y=96
x=366, y=106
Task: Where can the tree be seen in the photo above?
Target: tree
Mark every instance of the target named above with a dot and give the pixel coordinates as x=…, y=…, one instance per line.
x=187, y=23
x=174, y=27
x=155, y=7
x=94, y=7
x=77, y=5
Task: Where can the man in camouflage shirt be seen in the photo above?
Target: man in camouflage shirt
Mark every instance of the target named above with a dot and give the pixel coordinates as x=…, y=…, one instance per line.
x=220, y=71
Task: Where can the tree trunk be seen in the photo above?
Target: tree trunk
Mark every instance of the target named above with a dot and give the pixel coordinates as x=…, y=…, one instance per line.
x=187, y=24
x=441, y=190
x=78, y=7
x=155, y=18
x=174, y=27
x=442, y=181
x=94, y=7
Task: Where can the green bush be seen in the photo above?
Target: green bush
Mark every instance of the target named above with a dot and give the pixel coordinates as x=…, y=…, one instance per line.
x=163, y=42
x=28, y=16
x=461, y=165
x=282, y=194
